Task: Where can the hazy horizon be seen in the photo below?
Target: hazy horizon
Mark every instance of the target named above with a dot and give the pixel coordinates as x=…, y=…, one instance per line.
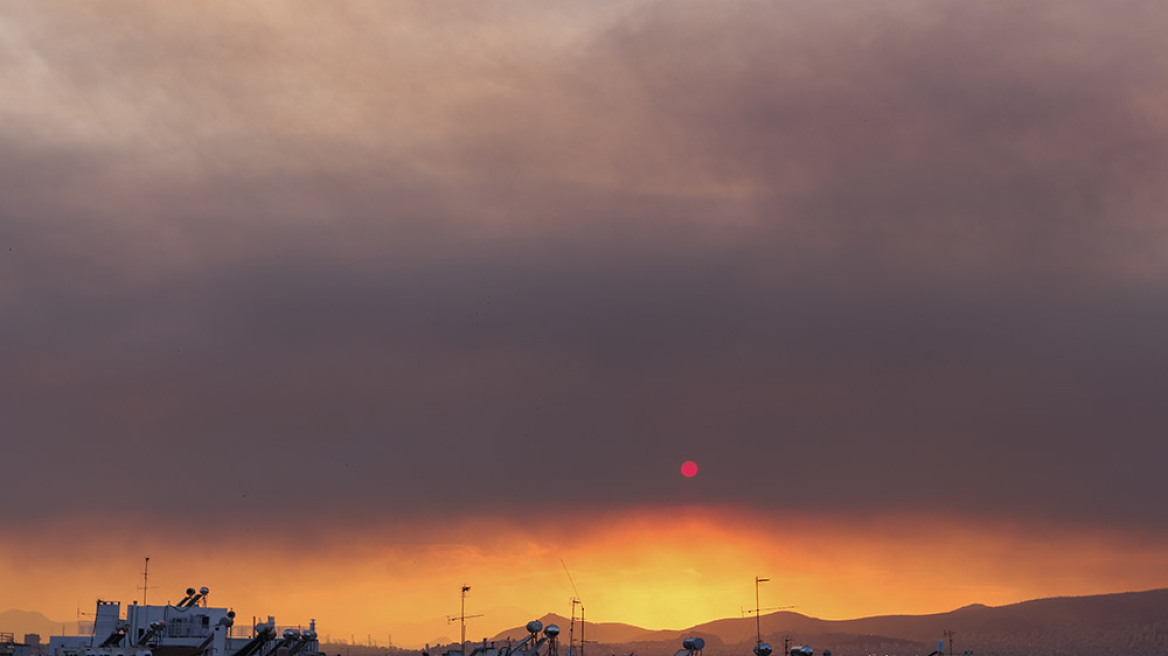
x=491, y=623
x=673, y=571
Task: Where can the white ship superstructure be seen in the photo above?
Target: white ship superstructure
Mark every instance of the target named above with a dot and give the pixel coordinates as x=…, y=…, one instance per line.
x=189, y=628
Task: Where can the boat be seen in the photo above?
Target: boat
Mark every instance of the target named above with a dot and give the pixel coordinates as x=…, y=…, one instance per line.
x=189, y=628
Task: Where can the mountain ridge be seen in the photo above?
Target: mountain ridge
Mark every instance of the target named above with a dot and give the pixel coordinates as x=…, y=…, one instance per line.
x=20, y=622
x=1067, y=625
x=1128, y=623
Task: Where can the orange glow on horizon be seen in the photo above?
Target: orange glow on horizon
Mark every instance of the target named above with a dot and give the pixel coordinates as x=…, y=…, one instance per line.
x=656, y=569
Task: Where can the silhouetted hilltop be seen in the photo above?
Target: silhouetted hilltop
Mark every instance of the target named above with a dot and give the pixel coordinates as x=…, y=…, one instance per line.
x=1056, y=625
x=601, y=632
x=20, y=622
x=1127, y=624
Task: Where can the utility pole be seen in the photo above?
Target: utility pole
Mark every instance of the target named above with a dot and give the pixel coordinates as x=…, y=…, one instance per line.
x=757, y=619
x=949, y=636
x=582, y=640
x=572, y=626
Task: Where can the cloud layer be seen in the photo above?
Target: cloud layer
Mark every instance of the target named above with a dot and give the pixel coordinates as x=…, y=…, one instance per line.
x=392, y=260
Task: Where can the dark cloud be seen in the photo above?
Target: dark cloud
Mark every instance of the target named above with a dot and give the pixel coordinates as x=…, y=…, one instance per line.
x=898, y=257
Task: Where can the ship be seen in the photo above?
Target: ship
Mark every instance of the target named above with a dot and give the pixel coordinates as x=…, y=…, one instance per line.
x=189, y=628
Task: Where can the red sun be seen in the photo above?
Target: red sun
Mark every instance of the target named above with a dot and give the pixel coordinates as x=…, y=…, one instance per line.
x=689, y=469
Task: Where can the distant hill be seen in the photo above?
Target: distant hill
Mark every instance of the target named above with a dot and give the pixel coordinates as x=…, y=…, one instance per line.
x=442, y=630
x=1125, y=624
x=20, y=622
x=601, y=632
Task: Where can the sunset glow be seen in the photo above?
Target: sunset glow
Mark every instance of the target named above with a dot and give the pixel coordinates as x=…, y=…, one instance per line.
x=653, y=569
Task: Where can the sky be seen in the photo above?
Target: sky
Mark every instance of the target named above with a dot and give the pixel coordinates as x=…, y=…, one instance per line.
x=335, y=307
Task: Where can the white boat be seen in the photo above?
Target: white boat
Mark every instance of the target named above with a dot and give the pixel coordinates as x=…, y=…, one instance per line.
x=189, y=628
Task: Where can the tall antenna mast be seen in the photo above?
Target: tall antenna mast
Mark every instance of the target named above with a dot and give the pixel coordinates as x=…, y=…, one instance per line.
x=572, y=626
x=572, y=629
x=757, y=618
x=145, y=580
x=462, y=618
